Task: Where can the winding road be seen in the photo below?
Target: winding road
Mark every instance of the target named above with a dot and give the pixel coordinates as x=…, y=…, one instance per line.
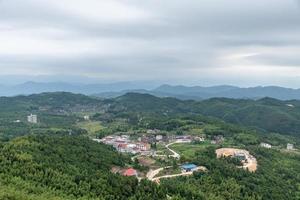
x=175, y=154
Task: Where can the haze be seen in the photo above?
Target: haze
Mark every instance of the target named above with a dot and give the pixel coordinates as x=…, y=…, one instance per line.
x=204, y=42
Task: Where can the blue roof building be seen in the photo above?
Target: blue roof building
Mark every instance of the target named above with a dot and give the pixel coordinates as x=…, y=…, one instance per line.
x=189, y=167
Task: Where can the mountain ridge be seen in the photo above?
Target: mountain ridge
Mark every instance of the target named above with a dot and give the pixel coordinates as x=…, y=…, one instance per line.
x=182, y=92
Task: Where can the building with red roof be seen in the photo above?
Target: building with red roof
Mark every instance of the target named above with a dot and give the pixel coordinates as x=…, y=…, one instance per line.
x=130, y=172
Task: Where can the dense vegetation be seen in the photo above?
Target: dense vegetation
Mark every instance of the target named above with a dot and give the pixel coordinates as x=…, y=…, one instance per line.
x=260, y=114
x=65, y=167
x=55, y=160
x=277, y=178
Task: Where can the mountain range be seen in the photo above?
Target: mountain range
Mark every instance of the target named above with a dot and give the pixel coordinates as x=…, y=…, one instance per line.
x=179, y=91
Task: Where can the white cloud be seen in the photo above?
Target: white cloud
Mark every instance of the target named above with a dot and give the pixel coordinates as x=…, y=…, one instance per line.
x=211, y=40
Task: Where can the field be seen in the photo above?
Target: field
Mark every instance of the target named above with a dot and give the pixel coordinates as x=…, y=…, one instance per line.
x=92, y=127
x=188, y=150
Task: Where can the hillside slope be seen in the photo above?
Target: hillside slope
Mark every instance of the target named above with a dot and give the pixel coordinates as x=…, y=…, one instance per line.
x=62, y=167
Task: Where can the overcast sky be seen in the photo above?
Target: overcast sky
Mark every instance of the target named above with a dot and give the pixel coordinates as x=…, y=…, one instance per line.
x=195, y=42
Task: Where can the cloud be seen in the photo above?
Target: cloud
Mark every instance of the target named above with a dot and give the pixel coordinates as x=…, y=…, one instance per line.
x=133, y=39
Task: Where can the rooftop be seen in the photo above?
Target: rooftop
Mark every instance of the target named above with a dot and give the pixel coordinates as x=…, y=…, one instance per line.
x=129, y=172
x=189, y=166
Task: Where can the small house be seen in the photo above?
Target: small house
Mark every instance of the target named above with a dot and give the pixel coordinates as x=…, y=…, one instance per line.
x=265, y=145
x=289, y=146
x=130, y=172
x=189, y=167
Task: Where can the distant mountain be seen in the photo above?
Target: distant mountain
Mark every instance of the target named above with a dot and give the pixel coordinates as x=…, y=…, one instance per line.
x=181, y=92
x=87, y=89
x=231, y=92
x=223, y=91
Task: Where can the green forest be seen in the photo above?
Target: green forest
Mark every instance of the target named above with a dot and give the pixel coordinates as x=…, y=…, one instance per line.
x=57, y=158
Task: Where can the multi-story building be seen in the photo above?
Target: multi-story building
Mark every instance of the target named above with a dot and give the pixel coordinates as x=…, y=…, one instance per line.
x=32, y=119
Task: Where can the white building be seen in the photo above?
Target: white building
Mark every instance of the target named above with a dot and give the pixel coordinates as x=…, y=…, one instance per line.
x=289, y=146
x=266, y=145
x=159, y=137
x=32, y=119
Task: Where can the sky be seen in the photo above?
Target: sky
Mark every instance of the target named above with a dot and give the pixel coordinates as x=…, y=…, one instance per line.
x=192, y=42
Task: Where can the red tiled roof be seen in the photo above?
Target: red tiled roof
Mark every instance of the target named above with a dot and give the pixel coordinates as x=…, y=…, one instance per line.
x=129, y=172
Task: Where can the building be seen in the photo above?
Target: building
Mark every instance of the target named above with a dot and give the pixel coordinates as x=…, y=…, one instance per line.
x=143, y=146
x=86, y=117
x=289, y=146
x=218, y=139
x=199, y=139
x=265, y=145
x=130, y=172
x=184, y=138
x=153, y=131
x=32, y=119
x=189, y=167
x=159, y=137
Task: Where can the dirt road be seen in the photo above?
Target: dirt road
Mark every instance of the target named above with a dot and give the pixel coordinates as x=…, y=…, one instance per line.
x=152, y=173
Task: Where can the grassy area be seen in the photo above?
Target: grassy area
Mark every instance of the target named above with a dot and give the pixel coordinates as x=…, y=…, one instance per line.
x=188, y=150
x=91, y=126
x=162, y=150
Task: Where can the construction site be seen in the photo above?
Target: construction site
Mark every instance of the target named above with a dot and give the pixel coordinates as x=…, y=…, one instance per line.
x=248, y=161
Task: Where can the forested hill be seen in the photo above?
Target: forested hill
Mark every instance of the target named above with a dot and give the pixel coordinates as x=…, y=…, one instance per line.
x=65, y=167
x=266, y=114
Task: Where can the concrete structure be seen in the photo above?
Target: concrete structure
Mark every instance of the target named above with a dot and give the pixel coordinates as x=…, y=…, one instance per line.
x=32, y=119
x=289, y=146
x=249, y=162
x=266, y=145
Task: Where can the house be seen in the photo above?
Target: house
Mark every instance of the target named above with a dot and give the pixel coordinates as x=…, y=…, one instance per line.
x=32, y=119
x=143, y=146
x=153, y=131
x=130, y=172
x=218, y=139
x=86, y=117
x=184, y=138
x=199, y=139
x=289, y=146
x=265, y=145
x=122, y=147
x=189, y=167
x=158, y=137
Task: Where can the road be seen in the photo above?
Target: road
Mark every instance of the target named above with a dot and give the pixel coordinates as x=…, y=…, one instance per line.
x=175, y=154
x=152, y=173
x=181, y=174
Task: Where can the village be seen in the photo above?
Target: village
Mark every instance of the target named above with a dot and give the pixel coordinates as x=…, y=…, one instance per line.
x=143, y=148
x=152, y=146
x=143, y=145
